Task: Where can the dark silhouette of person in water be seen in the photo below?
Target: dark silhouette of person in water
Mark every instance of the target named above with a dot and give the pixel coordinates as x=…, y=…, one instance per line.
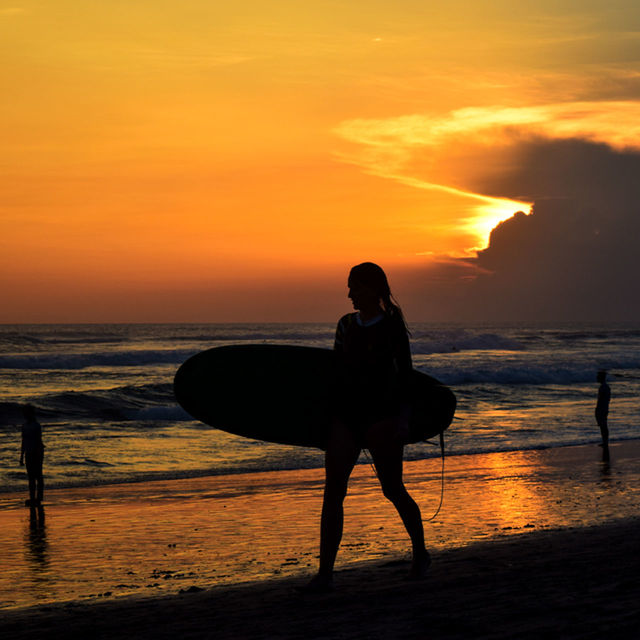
x=372, y=412
x=602, y=412
x=32, y=452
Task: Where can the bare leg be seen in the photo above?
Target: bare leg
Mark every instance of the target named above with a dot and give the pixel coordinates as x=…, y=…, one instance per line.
x=40, y=488
x=342, y=454
x=386, y=446
x=604, y=431
x=32, y=489
x=36, y=480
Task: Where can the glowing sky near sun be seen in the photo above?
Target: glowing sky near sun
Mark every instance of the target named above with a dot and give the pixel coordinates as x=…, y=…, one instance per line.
x=199, y=160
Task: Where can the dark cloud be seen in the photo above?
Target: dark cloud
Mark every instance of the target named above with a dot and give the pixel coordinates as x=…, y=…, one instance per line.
x=577, y=256
x=588, y=173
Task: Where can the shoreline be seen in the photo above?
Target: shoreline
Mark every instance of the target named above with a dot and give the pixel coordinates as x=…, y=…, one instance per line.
x=195, y=475
x=157, y=538
x=571, y=583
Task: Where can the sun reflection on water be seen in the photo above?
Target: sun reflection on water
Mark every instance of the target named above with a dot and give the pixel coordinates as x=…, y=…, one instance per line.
x=160, y=537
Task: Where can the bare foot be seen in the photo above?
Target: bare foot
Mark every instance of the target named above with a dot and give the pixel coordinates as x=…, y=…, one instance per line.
x=420, y=566
x=317, y=584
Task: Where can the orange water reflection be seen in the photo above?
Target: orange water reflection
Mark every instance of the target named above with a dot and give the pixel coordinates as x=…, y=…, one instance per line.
x=160, y=537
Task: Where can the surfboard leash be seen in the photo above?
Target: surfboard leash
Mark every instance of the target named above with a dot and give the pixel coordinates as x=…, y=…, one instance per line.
x=435, y=515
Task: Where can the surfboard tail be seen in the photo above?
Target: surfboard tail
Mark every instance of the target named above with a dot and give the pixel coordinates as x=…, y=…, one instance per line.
x=432, y=412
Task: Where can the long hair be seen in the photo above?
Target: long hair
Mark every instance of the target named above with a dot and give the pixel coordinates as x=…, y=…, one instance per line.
x=374, y=277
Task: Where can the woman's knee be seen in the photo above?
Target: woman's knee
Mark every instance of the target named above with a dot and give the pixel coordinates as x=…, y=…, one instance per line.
x=395, y=492
x=335, y=490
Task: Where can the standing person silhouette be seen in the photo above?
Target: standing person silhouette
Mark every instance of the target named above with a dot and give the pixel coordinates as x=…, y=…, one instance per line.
x=602, y=411
x=372, y=412
x=32, y=450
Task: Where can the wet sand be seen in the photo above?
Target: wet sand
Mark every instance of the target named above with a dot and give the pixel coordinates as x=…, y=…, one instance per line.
x=576, y=583
x=527, y=543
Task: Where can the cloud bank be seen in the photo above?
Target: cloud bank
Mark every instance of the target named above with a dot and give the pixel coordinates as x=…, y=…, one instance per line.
x=576, y=256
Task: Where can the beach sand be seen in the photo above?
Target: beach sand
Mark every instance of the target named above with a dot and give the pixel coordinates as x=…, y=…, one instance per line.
x=578, y=583
x=527, y=543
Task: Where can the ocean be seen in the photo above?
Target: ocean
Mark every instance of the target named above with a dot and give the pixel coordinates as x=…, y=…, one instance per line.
x=103, y=394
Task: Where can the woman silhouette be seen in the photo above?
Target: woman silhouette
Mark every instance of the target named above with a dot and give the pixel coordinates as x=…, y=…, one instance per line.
x=371, y=412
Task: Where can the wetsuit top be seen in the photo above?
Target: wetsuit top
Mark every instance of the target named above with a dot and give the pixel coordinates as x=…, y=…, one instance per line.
x=604, y=396
x=375, y=360
x=32, y=437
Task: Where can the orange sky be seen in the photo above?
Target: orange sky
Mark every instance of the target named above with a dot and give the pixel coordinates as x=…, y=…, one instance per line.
x=166, y=161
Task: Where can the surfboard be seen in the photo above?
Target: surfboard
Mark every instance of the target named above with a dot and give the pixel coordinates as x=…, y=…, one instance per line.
x=282, y=394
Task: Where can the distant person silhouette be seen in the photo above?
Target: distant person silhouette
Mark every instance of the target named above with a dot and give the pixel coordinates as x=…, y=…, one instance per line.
x=32, y=452
x=372, y=412
x=602, y=411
